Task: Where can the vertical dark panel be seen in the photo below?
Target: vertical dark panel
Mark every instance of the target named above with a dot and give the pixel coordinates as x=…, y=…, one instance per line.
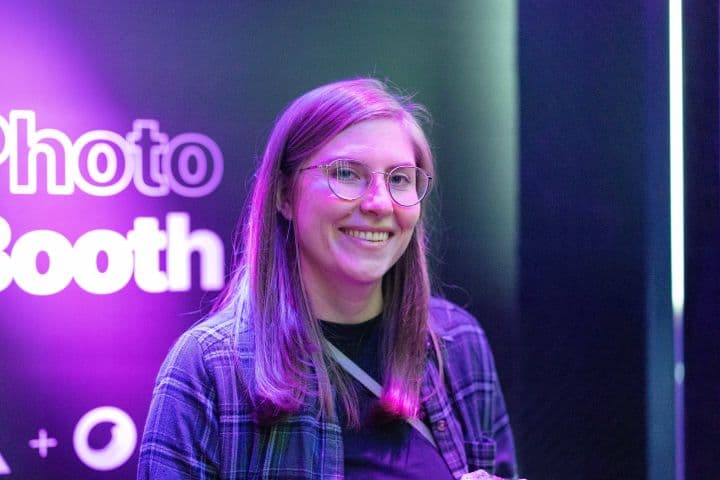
x=582, y=239
x=702, y=213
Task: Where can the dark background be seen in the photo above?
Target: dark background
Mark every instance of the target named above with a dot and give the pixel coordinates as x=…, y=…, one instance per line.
x=582, y=236
x=702, y=230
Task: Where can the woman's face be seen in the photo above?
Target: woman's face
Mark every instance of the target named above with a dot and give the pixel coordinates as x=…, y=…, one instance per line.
x=349, y=243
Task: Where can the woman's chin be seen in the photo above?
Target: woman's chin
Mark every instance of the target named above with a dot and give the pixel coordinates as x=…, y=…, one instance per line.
x=366, y=275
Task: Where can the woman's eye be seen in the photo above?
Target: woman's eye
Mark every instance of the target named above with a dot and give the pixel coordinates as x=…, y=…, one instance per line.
x=398, y=179
x=347, y=173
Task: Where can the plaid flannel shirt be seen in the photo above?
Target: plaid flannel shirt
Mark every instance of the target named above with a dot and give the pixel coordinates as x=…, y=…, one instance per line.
x=201, y=424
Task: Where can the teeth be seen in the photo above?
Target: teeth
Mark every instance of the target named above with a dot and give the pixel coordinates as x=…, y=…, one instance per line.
x=369, y=236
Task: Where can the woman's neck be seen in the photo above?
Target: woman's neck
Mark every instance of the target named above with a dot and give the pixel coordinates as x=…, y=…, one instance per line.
x=343, y=305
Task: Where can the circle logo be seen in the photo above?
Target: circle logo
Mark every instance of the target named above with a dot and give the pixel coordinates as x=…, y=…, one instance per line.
x=122, y=442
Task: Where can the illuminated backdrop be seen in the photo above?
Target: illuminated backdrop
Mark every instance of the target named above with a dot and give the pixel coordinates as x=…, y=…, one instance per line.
x=128, y=134
x=104, y=242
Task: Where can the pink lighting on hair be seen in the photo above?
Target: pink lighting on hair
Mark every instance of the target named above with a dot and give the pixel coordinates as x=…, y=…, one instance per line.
x=397, y=402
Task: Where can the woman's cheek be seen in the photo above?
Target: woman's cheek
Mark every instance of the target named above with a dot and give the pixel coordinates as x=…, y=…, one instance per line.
x=408, y=217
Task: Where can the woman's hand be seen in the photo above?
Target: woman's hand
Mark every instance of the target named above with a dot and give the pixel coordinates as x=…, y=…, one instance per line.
x=481, y=475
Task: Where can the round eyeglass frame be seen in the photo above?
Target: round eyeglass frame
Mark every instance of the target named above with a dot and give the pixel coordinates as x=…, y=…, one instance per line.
x=325, y=168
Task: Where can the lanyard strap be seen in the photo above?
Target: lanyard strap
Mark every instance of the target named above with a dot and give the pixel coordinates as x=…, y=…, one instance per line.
x=368, y=382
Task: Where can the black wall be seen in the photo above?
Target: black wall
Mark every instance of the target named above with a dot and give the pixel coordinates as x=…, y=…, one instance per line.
x=702, y=171
x=583, y=108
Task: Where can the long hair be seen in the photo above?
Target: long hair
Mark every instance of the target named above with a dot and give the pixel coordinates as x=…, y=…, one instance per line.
x=266, y=291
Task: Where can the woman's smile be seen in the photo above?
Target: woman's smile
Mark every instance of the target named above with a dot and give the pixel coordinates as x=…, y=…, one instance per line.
x=373, y=236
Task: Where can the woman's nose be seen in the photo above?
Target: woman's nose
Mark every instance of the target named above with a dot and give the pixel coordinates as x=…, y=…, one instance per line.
x=377, y=200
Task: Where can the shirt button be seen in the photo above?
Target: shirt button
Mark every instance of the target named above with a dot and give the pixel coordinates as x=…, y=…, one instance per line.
x=441, y=425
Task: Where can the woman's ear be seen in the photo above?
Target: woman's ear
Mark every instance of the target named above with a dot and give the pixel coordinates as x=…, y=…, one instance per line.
x=282, y=200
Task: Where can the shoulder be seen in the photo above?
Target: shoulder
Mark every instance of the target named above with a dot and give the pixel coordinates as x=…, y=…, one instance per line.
x=217, y=341
x=218, y=331
x=462, y=338
x=195, y=393
x=450, y=321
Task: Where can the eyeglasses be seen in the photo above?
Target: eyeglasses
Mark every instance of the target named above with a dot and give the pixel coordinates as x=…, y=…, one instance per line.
x=349, y=180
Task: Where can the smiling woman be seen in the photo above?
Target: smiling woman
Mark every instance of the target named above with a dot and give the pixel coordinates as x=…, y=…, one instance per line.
x=347, y=246
x=332, y=286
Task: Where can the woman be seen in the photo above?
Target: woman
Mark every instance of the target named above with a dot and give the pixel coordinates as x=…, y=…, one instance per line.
x=333, y=257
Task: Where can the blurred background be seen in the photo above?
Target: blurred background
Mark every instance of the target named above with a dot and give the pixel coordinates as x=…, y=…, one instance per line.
x=551, y=217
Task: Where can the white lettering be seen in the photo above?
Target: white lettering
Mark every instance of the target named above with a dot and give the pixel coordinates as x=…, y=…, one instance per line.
x=208, y=169
x=24, y=262
x=136, y=256
x=86, y=153
x=6, y=275
x=147, y=240
x=148, y=146
x=24, y=146
x=119, y=269
x=181, y=244
x=103, y=163
x=4, y=127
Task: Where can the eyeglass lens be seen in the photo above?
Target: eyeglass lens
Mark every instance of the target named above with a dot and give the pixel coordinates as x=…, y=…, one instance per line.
x=350, y=180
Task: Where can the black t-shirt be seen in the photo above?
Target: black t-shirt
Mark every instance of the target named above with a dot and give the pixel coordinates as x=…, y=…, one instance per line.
x=379, y=449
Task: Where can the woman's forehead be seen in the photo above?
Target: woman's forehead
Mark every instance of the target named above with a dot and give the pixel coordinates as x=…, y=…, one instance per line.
x=379, y=140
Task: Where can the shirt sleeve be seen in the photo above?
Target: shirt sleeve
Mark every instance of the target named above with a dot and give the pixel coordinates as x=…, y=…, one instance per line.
x=505, y=461
x=180, y=440
x=476, y=393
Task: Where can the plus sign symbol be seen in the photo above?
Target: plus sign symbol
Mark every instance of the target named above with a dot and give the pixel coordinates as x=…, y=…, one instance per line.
x=42, y=443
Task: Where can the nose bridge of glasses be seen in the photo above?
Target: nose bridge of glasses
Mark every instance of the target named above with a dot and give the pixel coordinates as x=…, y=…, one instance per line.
x=378, y=180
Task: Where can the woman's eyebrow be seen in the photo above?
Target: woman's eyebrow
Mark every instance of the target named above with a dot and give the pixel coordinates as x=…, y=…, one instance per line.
x=350, y=158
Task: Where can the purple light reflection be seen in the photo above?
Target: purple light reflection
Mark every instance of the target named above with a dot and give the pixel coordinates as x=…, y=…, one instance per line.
x=101, y=345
